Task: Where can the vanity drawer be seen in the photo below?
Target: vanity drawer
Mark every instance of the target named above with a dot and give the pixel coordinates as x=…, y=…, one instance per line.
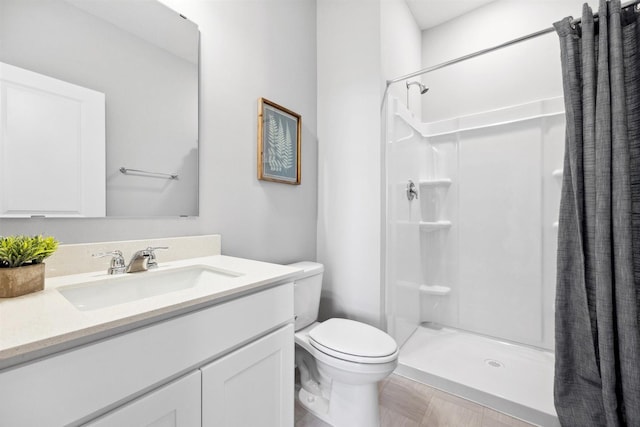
x=77, y=385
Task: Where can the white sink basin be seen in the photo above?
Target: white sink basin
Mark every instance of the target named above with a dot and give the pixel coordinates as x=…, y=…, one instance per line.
x=135, y=286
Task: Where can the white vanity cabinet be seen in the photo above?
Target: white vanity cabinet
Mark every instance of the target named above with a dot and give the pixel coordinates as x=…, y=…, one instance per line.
x=236, y=355
x=252, y=386
x=177, y=404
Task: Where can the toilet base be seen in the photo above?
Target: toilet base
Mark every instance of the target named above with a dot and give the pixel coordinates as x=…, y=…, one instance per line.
x=316, y=405
x=353, y=405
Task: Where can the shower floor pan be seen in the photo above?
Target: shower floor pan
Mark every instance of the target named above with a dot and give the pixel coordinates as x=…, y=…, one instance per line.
x=510, y=378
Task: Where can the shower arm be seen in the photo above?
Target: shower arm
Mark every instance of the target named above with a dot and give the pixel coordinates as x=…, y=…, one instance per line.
x=423, y=89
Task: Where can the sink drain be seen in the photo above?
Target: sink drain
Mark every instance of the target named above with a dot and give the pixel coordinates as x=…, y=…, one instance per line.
x=494, y=363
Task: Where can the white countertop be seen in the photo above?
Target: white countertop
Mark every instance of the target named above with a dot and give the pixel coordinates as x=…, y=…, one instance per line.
x=45, y=322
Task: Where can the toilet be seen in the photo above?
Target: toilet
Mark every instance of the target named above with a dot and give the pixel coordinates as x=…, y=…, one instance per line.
x=340, y=360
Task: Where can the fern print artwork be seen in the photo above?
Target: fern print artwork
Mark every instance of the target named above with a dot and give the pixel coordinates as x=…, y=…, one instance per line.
x=279, y=144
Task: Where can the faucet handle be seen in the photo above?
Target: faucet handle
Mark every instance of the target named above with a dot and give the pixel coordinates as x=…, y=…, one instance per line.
x=411, y=191
x=153, y=263
x=117, y=265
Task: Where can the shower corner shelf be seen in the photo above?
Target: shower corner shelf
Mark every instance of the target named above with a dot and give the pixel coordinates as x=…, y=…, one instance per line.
x=434, y=290
x=439, y=182
x=434, y=226
x=555, y=225
x=557, y=173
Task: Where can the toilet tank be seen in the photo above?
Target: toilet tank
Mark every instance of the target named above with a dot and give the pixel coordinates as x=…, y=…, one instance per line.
x=306, y=293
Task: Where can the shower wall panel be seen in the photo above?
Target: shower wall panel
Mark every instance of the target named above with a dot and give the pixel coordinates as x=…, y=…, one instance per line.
x=439, y=248
x=500, y=199
x=407, y=159
x=553, y=152
x=476, y=251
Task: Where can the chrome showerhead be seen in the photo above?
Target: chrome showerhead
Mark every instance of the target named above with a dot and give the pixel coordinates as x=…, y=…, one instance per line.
x=423, y=88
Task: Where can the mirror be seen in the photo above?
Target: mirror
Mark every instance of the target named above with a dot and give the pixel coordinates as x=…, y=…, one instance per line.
x=143, y=57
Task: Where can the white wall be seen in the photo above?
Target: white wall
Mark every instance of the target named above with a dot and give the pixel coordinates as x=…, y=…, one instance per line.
x=349, y=94
x=514, y=75
x=400, y=49
x=361, y=44
x=249, y=49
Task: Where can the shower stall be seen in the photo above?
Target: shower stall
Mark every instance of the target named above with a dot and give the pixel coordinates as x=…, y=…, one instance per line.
x=472, y=198
x=473, y=157
x=470, y=262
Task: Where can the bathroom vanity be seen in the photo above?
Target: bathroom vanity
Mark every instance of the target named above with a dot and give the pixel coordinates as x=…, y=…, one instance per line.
x=215, y=352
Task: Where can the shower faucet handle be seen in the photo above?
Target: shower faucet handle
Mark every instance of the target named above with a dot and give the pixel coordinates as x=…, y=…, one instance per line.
x=411, y=191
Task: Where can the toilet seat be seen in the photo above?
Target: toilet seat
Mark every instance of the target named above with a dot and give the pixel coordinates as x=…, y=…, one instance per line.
x=353, y=341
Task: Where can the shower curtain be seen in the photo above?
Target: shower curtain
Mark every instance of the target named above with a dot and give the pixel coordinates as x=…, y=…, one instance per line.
x=597, y=377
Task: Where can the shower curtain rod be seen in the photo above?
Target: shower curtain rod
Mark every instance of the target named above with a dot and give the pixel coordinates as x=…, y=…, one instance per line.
x=490, y=49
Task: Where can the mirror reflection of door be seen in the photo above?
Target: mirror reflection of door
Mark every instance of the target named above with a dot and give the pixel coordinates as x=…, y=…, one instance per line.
x=143, y=57
x=51, y=147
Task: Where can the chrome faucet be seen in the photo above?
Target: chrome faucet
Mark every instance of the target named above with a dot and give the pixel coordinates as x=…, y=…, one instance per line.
x=117, y=265
x=144, y=260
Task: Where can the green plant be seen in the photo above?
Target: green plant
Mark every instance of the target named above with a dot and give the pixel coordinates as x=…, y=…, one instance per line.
x=17, y=251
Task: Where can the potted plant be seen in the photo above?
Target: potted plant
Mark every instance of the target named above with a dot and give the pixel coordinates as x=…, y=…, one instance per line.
x=21, y=266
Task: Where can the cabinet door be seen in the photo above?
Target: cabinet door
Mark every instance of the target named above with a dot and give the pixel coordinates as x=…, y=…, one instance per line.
x=252, y=386
x=177, y=404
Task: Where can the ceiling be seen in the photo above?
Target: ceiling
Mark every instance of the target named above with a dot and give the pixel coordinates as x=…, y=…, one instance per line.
x=429, y=13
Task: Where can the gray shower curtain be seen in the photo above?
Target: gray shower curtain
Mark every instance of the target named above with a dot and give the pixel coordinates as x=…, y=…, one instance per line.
x=597, y=373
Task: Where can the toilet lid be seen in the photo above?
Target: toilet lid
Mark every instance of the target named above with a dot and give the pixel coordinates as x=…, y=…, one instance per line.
x=353, y=341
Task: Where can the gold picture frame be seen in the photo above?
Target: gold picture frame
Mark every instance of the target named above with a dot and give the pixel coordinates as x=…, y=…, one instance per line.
x=279, y=154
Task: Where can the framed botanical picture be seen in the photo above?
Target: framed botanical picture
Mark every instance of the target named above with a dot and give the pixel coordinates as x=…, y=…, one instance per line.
x=279, y=139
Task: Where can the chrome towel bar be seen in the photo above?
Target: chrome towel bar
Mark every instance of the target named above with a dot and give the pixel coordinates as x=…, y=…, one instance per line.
x=129, y=171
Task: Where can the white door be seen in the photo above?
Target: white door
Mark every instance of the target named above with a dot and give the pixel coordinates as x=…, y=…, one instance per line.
x=252, y=386
x=52, y=147
x=176, y=404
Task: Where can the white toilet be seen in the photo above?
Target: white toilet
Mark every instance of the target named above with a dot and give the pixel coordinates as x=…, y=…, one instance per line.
x=340, y=360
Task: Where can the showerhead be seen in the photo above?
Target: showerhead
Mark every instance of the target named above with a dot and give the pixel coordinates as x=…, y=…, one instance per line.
x=423, y=88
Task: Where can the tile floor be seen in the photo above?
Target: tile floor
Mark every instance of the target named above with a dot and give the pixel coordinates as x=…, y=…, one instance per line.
x=406, y=403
